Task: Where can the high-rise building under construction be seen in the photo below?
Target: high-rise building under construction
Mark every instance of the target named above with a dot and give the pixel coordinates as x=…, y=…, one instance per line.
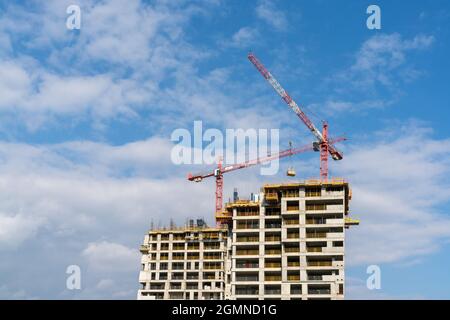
x=288, y=242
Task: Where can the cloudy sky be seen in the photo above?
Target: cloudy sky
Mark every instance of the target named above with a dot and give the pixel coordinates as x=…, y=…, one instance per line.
x=87, y=115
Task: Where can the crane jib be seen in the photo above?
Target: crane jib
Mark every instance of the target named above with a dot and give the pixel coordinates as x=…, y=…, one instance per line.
x=285, y=96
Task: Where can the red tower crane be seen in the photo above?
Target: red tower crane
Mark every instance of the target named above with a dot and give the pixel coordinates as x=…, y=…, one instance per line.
x=323, y=143
x=220, y=170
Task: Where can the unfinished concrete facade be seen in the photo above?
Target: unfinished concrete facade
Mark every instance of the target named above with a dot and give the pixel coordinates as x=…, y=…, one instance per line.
x=288, y=243
x=184, y=263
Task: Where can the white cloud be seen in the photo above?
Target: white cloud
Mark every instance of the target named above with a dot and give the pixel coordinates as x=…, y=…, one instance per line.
x=8, y=294
x=87, y=198
x=107, y=256
x=133, y=32
x=398, y=184
x=140, y=45
x=333, y=107
x=89, y=79
x=381, y=60
x=16, y=229
x=37, y=92
x=356, y=289
x=244, y=37
x=73, y=186
x=15, y=84
x=399, y=187
x=93, y=202
x=105, y=284
x=388, y=51
x=267, y=11
x=74, y=95
x=81, y=194
x=377, y=78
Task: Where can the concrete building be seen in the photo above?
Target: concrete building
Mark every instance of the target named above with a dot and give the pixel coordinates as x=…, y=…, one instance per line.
x=184, y=263
x=286, y=243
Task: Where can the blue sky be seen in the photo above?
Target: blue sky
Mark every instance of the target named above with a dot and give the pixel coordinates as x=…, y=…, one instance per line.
x=86, y=118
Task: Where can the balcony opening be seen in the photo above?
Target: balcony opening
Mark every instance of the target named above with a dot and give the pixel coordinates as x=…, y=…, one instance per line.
x=212, y=256
x=247, y=238
x=296, y=289
x=157, y=286
x=318, y=275
x=192, y=286
x=164, y=237
x=322, y=205
x=319, y=289
x=177, y=276
x=272, y=263
x=338, y=244
x=272, y=289
x=178, y=256
x=163, y=266
x=192, y=276
x=212, y=265
x=247, y=224
x=175, y=285
x=315, y=246
x=193, y=256
x=272, y=249
x=273, y=211
x=313, y=191
x=209, y=275
x=178, y=246
x=293, y=276
x=247, y=263
x=289, y=248
x=290, y=193
x=293, y=261
x=212, y=245
x=273, y=224
x=210, y=236
x=291, y=221
x=272, y=236
x=245, y=212
x=293, y=234
x=272, y=276
x=178, y=237
x=247, y=290
x=292, y=206
x=319, y=262
x=247, y=276
x=163, y=276
x=164, y=256
x=334, y=189
x=178, y=266
x=247, y=250
x=271, y=195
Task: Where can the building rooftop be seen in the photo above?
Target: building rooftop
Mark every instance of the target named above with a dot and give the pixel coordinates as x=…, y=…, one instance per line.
x=309, y=182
